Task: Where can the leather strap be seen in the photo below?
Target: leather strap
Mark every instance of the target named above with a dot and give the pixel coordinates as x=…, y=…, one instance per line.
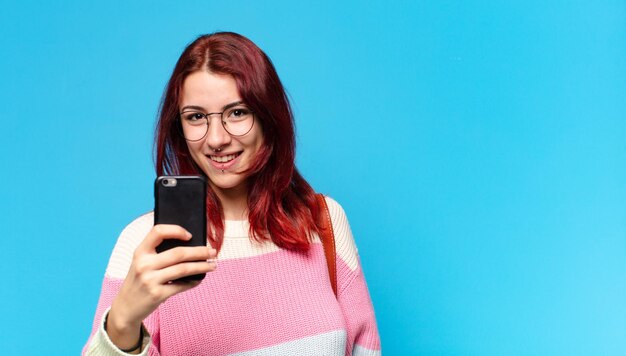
x=327, y=235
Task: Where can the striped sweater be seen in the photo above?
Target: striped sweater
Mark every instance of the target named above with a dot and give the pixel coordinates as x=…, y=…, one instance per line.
x=261, y=300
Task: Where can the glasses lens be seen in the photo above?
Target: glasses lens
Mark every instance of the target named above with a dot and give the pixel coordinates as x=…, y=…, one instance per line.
x=238, y=121
x=194, y=125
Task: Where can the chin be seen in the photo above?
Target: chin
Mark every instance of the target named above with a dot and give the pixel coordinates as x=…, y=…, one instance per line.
x=225, y=183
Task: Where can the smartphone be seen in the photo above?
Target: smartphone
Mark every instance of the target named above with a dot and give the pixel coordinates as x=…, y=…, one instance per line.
x=181, y=200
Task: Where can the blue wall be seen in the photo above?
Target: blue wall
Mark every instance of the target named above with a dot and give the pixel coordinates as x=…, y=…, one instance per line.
x=479, y=149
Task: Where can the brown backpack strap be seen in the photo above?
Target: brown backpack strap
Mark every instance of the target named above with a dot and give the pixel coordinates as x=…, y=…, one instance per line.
x=327, y=235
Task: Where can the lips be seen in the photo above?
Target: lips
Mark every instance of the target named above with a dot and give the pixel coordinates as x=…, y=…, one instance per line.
x=224, y=158
x=224, y=161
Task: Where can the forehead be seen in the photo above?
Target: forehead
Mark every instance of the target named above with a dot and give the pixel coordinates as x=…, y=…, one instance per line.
x=209, y=90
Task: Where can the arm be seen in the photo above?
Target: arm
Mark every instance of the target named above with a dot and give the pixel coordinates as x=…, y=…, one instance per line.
x=99, y=342
x=137, y=282
x=353, y=295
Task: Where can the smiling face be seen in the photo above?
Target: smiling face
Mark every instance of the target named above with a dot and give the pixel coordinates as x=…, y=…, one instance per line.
x=221, y=157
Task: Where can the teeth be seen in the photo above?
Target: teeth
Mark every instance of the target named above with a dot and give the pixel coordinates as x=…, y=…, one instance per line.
x=222, y=159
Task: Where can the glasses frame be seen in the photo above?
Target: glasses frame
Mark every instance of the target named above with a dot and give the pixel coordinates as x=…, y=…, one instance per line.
x=206, y=118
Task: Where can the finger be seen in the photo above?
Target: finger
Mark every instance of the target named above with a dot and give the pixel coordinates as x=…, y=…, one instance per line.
x=185, y=269
x=182, y=254
x=160, y=232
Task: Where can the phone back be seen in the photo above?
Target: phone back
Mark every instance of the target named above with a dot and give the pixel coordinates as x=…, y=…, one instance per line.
x=181, y=200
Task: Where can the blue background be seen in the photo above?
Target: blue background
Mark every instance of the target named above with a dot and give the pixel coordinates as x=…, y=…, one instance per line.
x=478, y=147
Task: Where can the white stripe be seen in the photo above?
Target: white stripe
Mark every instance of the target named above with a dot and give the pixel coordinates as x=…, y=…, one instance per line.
x=244, y=247
x=344, y=241
x=237, y=244
x=129, y=239
x=359, y=350
x=327, y=344
x=236, y=241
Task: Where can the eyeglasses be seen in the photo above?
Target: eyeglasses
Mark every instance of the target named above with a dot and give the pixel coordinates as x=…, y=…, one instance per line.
x=237, y=121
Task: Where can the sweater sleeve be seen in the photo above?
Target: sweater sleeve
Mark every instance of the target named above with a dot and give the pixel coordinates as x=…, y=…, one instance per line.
x=99, y=343
x=352, y=292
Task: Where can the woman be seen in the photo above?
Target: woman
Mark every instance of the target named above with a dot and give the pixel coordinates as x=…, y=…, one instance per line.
x=225, y=115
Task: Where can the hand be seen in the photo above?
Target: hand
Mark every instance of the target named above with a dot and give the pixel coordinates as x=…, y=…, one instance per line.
x=148, y=282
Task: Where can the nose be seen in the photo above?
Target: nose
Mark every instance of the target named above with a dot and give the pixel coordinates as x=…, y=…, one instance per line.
x=217, y=136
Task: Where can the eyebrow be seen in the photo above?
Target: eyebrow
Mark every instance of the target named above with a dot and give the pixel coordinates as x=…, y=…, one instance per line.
x=200, y=108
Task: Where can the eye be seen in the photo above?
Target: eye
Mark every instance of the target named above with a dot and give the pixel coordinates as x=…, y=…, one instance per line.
x=239, y=113
x=193, y=116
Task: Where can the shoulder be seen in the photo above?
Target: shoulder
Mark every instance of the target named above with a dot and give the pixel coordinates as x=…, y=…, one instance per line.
x=127, y=242
x=344, y=241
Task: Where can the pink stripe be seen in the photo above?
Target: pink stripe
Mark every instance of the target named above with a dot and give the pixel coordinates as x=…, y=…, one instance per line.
x=110, y=288
x=258, y=302
x=357, y=308
x=253, y=303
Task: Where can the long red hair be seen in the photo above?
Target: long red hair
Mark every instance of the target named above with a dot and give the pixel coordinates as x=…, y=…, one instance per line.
x=281, y=204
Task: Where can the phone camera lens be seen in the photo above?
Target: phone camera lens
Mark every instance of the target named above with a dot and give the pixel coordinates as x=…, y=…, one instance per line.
x=165, y=182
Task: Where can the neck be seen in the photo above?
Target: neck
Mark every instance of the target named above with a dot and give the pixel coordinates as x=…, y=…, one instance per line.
x=234, y=202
